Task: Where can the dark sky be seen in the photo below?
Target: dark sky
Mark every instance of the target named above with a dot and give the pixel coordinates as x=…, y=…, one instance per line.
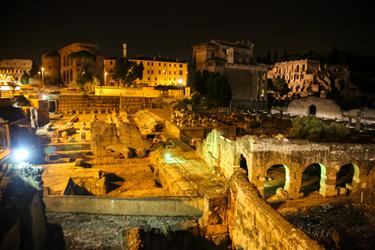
x=31, y=28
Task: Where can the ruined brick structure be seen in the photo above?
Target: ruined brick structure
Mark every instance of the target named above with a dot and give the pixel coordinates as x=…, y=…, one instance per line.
x=100, y=104
x=263, y=153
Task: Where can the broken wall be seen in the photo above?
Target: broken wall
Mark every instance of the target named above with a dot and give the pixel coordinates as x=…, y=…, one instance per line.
x=253, y=224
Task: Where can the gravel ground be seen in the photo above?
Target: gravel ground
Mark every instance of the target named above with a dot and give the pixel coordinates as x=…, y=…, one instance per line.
x=84, y=231
x=348, y=226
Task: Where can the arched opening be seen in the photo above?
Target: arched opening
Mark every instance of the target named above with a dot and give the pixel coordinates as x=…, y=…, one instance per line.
x=313, y=178
x=312, y=110
x=277, y=176
x=348, y=174
x=243, y=163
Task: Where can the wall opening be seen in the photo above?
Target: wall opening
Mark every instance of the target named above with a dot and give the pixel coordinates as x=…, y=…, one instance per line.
x=277, y=176
x=243, y=163
x=313, y=179
x=312, y=110
x=348, y=174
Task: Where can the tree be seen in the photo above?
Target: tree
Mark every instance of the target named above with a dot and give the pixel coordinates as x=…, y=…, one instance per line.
x=127, y=71
x=25, y=78
x=276, y=56
x=279, y=85
x=86, y=67
x=34, y=70
x=268, y=59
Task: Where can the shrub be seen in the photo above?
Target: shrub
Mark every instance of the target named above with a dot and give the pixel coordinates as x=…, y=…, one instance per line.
x=314, y=129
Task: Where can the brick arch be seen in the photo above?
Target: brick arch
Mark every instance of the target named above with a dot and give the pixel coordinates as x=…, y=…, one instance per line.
x=355, y=176
x=238, y=162
x=286, y=185
x=322, y=177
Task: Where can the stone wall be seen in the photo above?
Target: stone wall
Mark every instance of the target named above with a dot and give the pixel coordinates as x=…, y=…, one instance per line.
x=101, y=104
x=224, y=154
x=127, y=92
x=253, y=224
x=324, y=108
x=174, y=206
x=22, y=220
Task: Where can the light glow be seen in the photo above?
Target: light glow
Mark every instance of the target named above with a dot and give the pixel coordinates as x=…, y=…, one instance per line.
x=4, y=87
x=21, y=154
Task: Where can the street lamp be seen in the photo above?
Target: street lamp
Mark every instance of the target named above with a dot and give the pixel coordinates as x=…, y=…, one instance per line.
x=42, y=69
x=105, y=77
x=179, y=81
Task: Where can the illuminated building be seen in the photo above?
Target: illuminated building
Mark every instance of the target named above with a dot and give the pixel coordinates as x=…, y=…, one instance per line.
x=307, y=77
x=14, y=68
x=159, y=71
x=156, y=71
x=235, y=60
x=61, y=67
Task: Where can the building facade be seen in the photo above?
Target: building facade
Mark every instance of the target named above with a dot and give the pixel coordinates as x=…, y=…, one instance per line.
x=14, y=68
x=109, y=69
x=307, y=77
x=156, y=71
x=61, y=66
x=51, y=65
x=235, y=60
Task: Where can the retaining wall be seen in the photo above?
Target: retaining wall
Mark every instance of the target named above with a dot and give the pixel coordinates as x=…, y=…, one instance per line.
x=171, y=206
x=253, y=224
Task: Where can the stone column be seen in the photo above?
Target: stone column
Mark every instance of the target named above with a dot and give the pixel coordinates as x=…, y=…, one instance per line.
x=328, y=184
x=294, y=186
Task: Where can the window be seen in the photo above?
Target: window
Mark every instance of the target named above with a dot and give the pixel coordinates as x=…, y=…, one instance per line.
x=148, y=63
x=169, y=65
x=156, y=78
x=71, y=75
x=303, y=67
x=152, y=64
x=148, y=78
x=152, y=72
x=111, y=70
x=159, y=64
x=165, y=64
x=49, y=66
x=170, y=73
x=110, y=62
x=159, y=72
x=180, y=65
x=174, y=72
x=148, y=71
x=180, y=72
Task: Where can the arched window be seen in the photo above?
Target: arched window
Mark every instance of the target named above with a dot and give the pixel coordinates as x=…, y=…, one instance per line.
x=277, y=176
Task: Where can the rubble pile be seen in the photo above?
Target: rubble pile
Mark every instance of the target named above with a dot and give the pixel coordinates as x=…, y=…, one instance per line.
x=83, y=231
x=348, y=226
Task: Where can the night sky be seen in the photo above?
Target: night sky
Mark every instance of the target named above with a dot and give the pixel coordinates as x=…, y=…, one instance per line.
x=170, y=28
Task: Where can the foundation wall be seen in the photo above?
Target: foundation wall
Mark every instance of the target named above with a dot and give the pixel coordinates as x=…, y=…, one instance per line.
x=180, y=206
x=253, y=224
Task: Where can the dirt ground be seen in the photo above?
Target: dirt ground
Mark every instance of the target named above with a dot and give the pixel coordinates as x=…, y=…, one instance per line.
x=132, y=178
x=340, y=226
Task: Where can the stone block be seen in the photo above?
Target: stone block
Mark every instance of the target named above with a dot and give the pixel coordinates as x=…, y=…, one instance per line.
x=216, y=229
